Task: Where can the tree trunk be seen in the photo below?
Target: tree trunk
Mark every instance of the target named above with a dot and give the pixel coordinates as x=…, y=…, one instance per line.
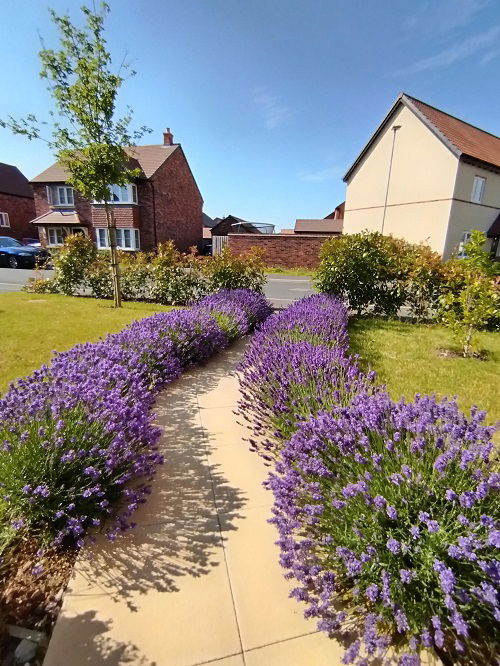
x=115, y=270
x=468, y=338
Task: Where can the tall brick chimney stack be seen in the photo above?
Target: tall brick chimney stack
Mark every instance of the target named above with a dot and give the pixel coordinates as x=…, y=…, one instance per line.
x=168, y=138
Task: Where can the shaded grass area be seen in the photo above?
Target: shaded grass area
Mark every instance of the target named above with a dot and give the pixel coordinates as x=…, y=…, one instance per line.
x=407, y=358
x=33, y=326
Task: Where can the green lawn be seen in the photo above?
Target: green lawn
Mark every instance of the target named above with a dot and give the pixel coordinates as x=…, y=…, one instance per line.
x=406, y=358
x=33, y=326
x=289, y=271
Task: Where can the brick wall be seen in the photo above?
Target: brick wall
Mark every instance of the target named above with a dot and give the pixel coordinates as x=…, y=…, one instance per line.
x=82, y=206
x=178, y=204
x=283, y=251
x=125, y=216
x=21, y=210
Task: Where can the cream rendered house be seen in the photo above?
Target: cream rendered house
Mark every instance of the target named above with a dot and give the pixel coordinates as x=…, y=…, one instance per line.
x=427, y=177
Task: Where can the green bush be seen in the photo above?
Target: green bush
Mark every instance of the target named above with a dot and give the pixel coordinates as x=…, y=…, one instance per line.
x=98, y=277
x=71, y=263
x=135, y=273
x=229, y=271
x=470, y=297
x=368, y=270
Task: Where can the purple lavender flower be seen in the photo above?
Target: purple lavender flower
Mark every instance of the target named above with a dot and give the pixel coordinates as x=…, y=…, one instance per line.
x=394, y=546
x=392, y=513
x=406, y=575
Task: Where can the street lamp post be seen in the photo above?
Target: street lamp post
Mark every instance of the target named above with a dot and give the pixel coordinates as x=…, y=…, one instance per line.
x=394, y=130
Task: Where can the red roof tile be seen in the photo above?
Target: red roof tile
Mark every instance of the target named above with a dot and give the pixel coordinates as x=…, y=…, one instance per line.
x=469, y=140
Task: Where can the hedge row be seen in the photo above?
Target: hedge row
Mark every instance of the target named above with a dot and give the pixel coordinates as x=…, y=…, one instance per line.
x=388, y=514
x=166, y=276
x=79, y=444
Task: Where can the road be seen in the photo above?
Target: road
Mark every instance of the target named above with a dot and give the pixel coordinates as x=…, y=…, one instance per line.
x=280, y=289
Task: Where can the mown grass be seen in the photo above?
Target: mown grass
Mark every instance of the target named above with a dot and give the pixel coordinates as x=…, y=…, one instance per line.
x=33, y=326
x=407, y=358
x=272, y=270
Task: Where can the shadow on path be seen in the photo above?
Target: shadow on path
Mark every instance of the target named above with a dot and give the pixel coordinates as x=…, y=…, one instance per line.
x=178, y=532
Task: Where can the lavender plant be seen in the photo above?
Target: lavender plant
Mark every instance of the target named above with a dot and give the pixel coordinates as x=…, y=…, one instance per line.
x=79, y=447
x=388, y=516
x=296, y=365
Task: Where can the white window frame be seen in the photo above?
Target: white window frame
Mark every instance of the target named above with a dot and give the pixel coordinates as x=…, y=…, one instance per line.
x=4, y=220
x=127, y=239
x=478, y=187
x=60, y=233
x=119, y=192
x=60, y=195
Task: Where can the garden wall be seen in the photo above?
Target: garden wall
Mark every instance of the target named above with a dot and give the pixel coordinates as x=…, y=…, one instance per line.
x=283, y=251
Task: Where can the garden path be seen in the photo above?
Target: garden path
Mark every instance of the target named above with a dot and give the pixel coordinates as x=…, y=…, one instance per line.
x=198, y=580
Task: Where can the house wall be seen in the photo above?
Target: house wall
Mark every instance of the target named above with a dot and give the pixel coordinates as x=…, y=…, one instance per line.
x=466, y=215
x=21, y=210
x=281, y=250
x=178, y=206
x=82, y=206
x=421, y=186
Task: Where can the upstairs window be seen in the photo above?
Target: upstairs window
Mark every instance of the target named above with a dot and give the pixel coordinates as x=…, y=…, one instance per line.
x=478, y=189
x=122, y=194
x=4, y=220
x=60, y=195
x=126, y=239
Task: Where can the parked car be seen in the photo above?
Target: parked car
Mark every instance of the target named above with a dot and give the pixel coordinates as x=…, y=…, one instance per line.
x=16, y=255
x=34, y=242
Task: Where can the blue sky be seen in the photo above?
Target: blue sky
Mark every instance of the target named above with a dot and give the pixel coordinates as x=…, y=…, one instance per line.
x=272, y=100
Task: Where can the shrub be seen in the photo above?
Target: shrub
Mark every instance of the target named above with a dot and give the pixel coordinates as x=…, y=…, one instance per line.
x=425, y=273
x=476, y=304
x=394, y=510
x=71, y=263
x=135, y=276
x=228, y=271
x=296, y=365
x=98, y=277
x=367, y=270
x=78, y=442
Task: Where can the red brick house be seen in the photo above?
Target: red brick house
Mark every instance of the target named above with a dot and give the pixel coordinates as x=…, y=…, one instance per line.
x=17, y=206
x=164, y=203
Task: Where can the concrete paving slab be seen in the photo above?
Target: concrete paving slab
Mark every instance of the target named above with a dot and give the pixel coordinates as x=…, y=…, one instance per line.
x=265, y=612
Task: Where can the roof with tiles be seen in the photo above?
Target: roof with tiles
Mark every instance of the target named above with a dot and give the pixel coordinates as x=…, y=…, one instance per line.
x=12, y=181
x=146, y=158
x=465, y=140
x=469, y=140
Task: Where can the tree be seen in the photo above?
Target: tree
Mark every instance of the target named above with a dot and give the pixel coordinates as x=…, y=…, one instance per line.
x=86, y=136
x=471, y=298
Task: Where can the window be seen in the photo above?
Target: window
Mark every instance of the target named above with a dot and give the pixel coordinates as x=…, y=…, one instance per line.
x=126, y=239
x=478, y=189
x=60, y=195
x=56, y=235
x=125, y=194
x=4, y=220
x=461, y=246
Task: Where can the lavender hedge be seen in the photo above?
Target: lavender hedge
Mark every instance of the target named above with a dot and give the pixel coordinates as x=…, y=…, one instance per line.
x=79, y=446
x=388, y=514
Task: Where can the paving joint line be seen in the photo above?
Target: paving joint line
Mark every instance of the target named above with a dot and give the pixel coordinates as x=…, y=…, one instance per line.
x=206, y=443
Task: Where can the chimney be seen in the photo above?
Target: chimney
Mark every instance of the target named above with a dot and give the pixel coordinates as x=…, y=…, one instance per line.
x=168, y=138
